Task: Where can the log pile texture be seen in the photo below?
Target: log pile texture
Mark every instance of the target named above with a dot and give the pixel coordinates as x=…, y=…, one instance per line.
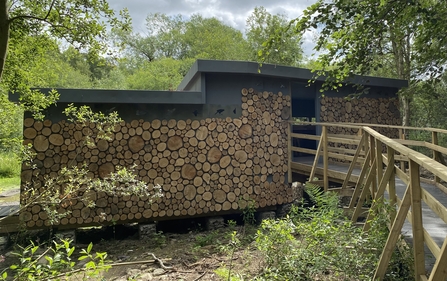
x=383, y=111
x=203, y=166
x=363, y=110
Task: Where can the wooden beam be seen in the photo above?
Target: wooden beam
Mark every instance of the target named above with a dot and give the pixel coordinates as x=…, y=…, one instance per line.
x=393, y=236
x=354, y=160
x=379, y=164
x=333, y=175
x=365, y=192
x=352, y=137
x=410, y=142
x=358, y=186
x=416, y=210
x=343, y=140
x=380, y=192
x=304, y=136
x=392, y=182
x=289, y=146
x=317, y=156
x=434, y=204
x=424, y=161
x=325, y=158
x=439, y=271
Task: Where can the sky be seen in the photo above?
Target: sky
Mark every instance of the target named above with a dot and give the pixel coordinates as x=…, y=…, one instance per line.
x=231, y=12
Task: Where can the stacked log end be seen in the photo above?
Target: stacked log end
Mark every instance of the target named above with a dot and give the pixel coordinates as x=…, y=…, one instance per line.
x=203, y=166
x=362, y=110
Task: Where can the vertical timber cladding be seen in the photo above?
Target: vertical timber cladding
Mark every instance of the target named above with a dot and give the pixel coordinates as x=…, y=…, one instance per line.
x=203, y=166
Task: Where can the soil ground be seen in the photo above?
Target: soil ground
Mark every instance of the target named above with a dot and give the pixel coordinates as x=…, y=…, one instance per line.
x=187, y=253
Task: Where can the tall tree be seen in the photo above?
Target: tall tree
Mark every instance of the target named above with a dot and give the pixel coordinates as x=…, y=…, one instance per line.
x=82, y=23
x=209, y=38
x=261, y=25
x=355, y=35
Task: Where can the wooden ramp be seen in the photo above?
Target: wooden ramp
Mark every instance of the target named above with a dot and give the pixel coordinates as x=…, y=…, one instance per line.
x=376, y=166
x=9, y=224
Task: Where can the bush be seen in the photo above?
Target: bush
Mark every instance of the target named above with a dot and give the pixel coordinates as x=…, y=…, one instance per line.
x=319, y=243
x=9, y=165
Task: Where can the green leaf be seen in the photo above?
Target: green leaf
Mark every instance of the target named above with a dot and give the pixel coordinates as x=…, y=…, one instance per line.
x=82, y=258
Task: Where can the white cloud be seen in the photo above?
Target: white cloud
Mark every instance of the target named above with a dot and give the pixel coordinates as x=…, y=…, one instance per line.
x=231, y=12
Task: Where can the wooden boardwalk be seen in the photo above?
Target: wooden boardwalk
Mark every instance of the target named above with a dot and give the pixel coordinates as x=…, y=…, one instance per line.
x=434, y=225
x=376, y=166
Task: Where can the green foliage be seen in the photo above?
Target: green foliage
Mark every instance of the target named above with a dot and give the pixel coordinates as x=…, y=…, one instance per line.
x=248, y=212
x=316, y=242
x=209, y=38
x=55, y=262
x=285, y=49
x=162, y=74
x=9, y=165
x=393, y=38
x=225, y=274
x=208, y=239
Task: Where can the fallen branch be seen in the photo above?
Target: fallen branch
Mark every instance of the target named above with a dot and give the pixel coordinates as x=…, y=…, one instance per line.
x=161, y=263
x=200, y=277
x=114, y=265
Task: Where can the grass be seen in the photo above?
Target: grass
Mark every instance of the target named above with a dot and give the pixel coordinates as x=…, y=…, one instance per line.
x=9, y=183
x=9, y=171
x=9, y=165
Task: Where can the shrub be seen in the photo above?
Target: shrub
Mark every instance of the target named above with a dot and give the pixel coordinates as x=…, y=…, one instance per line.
x=9, y=165
x=319, y=243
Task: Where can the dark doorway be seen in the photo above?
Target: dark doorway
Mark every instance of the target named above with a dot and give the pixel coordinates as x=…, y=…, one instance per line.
x=303, y=108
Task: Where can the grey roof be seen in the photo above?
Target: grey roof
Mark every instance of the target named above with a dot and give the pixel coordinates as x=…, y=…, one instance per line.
x=253, y=68
x=197, y=97
x=123, y=96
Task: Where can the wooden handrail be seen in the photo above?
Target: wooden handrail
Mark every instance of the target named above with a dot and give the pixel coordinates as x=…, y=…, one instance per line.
x=428, y=163
x=374, y=179
x=359, y=125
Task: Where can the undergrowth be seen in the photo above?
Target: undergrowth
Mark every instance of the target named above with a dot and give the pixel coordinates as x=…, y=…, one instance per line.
x=318, y=242
x=9, y=165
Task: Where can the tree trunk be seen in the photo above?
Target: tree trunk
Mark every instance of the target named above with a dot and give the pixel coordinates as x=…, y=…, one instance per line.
x=4, y=34
x=405, y=105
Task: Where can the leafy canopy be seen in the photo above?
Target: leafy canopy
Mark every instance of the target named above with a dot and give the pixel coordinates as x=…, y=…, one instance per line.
x=355, y=34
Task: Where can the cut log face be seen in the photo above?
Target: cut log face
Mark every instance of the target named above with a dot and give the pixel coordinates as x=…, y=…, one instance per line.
x=203, y=166
x=245, y=131
x=41, y=143
x=214, y=155
x=175, y=143
x=105, y=170
x=188, y=171
x=136, y=143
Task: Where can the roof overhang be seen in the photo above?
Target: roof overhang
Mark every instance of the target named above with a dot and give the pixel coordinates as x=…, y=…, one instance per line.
x=253, y=68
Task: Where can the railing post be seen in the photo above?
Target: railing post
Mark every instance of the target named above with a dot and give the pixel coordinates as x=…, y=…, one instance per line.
x=289, y=150
x=434, y=140
x=392, y=183
x=373, y=186
x=402, y=137
x=379, y=163
x=325, y=158
x=416, y=214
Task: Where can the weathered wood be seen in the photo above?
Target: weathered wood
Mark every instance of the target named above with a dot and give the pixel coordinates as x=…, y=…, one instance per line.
x=136, y=143
x=188, y=171
x=393, y=236
x=214, y=155
x=41, y=143
x=245, y=131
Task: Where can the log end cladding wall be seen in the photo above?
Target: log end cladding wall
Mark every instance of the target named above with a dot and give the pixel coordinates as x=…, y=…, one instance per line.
x=204, y=166
x=363, y=110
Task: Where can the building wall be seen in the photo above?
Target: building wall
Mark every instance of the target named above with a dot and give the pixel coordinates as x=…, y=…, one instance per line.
x=205, y=166
x=383, y=110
